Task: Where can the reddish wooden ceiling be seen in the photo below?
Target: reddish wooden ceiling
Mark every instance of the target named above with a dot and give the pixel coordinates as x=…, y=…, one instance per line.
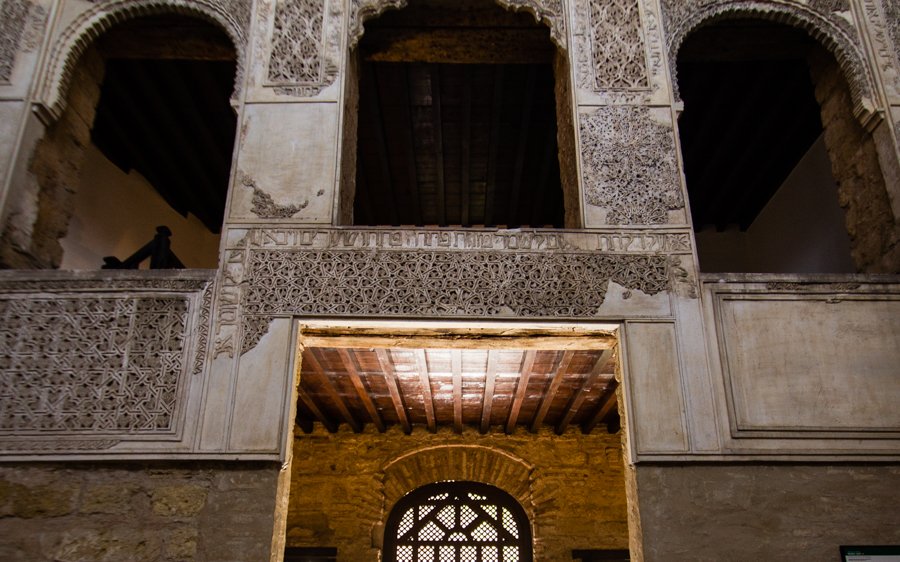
x=487, y=389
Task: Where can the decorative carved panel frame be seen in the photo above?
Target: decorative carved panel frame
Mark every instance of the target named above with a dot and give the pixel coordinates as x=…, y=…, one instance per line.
x=99, y=363
x=835, y=342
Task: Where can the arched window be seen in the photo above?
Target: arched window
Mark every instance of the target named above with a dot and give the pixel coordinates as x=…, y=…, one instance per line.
x=457, y=522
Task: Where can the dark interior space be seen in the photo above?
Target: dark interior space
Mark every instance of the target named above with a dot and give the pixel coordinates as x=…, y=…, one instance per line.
x=750, y=114
x=457, y=119
x=164, y=110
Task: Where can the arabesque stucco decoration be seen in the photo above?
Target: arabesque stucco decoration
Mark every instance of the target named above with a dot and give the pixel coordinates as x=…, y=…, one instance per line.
x=628, y=165
x=302, y=60
x=13, y=14
x=550, y=12
x=232, y=16
x=828, y=21
x=618, y=58
x=432, y=274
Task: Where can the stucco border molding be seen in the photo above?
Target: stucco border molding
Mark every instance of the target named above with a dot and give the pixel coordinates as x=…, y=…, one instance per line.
x=232, y=16
x=831, y=29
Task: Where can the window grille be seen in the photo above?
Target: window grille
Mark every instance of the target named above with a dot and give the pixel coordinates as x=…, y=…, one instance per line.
x=457, y=522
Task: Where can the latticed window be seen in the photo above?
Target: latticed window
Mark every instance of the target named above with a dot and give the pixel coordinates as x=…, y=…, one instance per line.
x=457, y=522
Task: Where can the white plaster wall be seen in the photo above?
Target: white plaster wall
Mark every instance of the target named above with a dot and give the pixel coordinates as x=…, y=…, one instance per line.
x=117, y=213
x=801, y=229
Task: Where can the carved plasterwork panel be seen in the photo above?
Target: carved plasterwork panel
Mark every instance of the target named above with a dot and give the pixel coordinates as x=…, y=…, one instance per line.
x=830, y=21
x=305, y=41
x=80, y=361
x=883, y=21
x=233, y=16
x=550, y=12
x=629, y=168
x=614, y=55
x=264, y=206
x=21, y=25
x=417, y=274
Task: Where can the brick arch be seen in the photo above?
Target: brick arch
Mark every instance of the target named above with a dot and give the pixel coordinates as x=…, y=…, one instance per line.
x=548, y=12
x=842, y=41
x=230, y=16
x=473, y=463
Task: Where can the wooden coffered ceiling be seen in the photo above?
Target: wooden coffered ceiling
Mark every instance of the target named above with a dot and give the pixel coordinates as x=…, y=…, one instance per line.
x=499, y=389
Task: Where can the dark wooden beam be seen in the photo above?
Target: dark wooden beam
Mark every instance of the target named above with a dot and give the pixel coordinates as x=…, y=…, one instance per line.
x=458, y=46
x=390, y=377
x=559, y=370
x=537, y=203
x=313, y=361
x=425, y=381
x=456, y=367
x=607, y=405
x=521, y=149
x=490, y=192
x=436, y=121
x=352, y=367
x=465, y=144
x=317, y=412
x=377, y=121
x=411, y=172
x=521, y=389
x=582, y=393
x=490, y=378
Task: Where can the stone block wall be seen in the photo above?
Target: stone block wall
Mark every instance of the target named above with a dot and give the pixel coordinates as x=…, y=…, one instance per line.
x=744, y=512
x=343, y=485
x=150, y=512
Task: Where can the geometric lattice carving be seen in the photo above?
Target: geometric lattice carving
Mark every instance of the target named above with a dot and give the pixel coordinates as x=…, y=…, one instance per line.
x=617, y=45
x=297, y=42
x=13, y=14
x=629, y=165
x=91, y=364
x=419, y=284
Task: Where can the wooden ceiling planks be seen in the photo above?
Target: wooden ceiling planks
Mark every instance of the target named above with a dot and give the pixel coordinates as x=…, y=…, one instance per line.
x=457, y=387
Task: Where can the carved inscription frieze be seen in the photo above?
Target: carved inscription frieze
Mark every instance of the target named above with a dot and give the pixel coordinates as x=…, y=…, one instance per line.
x=420, y=273
x=91, y=364
x=301, y=60
x=628, y=165
x=828, y=19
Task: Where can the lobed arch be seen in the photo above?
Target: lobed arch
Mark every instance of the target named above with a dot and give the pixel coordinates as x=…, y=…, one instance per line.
x=682, y=18
x=474, y=463
x=231, y=16
x=548, y=12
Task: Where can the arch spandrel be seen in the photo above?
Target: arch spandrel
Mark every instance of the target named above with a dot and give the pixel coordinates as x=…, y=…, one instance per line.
x=548, y=12
x=823, y=20
x=232, y=16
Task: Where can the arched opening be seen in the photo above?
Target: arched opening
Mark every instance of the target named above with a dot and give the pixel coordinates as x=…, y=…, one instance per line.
x=462, y=118
x=457, y=522
x=145, y=140
x=782, y=177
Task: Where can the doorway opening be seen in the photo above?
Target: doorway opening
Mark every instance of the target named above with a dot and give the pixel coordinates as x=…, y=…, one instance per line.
x=383, y=411
x=459, y=115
